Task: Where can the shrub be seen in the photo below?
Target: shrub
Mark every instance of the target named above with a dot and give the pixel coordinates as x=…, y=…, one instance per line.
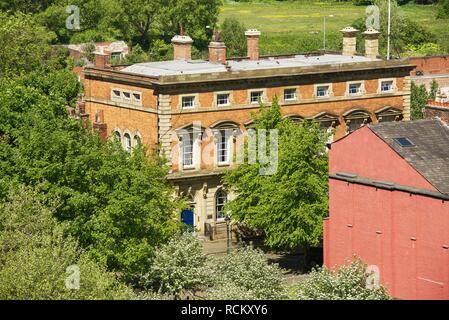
x=245, y=274
x=36, y=255
x=178, y=266
x=346, y=283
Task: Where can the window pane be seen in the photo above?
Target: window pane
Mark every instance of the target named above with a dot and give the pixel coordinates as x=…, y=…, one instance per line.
x=289, y=94
x=220, y=200
x=137, y=141
x=256, y=96
x=354, y=88
x=116, y=94
x=188, y=102
x=127, y=95
x=386, y=86
x=322, y=91
x=128, y=145
x=222, y=148
x=355, y=124
x=187, y=150
x=223, y=99
x=136, y=96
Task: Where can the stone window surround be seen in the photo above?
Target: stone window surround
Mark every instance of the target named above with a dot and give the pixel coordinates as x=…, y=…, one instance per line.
x=231, y=99
x=315, y=89
x=196, y=151
x=297, y=98
x=220, y=190
x=122, y=134
x=131, y=100
x=230, y=144
x=362, y=88
x=196, y=101
x=394, y=89
x=264, y=98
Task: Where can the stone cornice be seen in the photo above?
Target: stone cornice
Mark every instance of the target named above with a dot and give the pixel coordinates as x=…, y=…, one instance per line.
x=264, y=76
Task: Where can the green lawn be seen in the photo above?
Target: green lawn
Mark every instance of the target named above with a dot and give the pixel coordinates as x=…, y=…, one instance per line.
x=297, y=26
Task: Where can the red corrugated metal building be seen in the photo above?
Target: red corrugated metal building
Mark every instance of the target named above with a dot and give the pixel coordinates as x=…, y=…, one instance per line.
x=389, y=205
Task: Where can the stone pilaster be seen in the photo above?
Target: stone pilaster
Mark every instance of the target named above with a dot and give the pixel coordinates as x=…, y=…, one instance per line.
x=407, y=91
x=164, y=125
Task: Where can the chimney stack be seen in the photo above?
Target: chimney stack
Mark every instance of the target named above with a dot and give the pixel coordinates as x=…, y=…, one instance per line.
x=102, y=61
x=182, y=47
x=217, y=49
x=252, y=38
x=371, y=43
x=349, y=41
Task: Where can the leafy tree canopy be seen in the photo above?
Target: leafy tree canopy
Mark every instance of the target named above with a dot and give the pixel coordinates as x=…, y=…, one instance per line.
x=289, y=205
x=36, y=254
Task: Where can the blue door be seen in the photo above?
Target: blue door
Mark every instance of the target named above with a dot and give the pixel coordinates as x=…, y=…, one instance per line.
x=187, y=217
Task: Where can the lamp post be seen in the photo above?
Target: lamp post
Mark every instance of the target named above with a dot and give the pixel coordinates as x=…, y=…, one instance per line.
x=389, y=29
x=324, y=38
x=228, y=231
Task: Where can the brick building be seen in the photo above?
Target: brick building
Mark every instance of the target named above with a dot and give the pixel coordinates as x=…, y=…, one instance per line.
x=197, y=110
x=389, y=205
x=429, y=69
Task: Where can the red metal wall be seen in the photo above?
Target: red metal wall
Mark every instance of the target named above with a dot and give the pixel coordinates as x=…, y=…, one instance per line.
x=405, y=235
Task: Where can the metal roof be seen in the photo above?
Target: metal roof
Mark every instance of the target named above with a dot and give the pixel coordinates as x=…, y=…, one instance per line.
x=181, y=67
x=429, y=154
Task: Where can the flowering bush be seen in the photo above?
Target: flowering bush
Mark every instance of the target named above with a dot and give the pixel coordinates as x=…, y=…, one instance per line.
x=350, y=282
x=245, y=275
x=178, y=266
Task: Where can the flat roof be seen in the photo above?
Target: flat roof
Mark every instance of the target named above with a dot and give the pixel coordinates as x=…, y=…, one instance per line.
x=181, y=67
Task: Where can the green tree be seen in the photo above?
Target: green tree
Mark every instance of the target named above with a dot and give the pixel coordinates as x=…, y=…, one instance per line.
x=233, y=35
x=36, y=254
x=418, y=101
x=350, y=282
x=26, y=6
x=443, y=9
x=405, y=33
x=118, y=205
x=26, y=44
x=290, y=204
x=434, y=87
x=194, y=16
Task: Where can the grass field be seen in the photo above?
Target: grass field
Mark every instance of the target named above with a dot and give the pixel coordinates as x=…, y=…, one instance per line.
x=297, y=26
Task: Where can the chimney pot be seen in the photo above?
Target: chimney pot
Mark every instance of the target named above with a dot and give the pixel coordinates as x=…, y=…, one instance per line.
x=182, y=47
x=252, y=38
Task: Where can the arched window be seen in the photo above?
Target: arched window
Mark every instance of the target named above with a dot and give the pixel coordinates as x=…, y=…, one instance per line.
x=127, y=142
x=137, y=141
x=221, y=197
x=389, y=114
x=117, y=136
x=356, y=119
